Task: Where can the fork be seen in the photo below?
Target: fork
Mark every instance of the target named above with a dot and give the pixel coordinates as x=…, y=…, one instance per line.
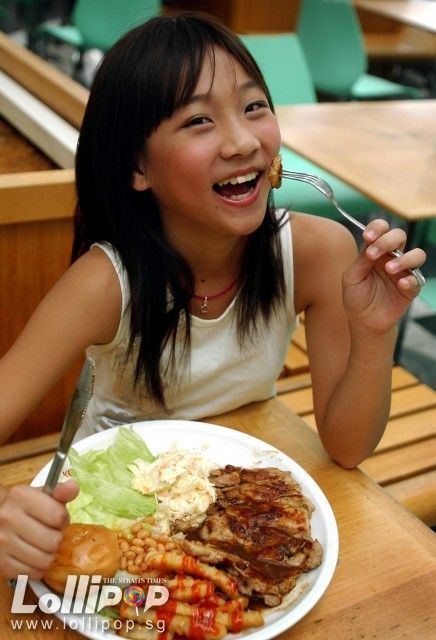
x=327, y=191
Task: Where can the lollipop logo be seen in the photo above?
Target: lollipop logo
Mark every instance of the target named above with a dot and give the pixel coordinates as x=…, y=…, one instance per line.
x=99, y=596
x=134, y=596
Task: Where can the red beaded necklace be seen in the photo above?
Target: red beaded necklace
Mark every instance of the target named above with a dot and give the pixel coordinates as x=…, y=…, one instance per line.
x=204, y=307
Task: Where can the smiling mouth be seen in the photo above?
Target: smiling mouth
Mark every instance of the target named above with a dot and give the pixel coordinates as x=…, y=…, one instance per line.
x=238, y=187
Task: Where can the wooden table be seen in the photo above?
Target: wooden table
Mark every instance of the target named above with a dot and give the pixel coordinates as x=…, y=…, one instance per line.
x=386, y=150
x=384, y=586
x=416, y=13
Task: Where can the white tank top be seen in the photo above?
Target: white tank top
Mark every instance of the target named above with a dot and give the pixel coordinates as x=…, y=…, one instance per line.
x=218, y=376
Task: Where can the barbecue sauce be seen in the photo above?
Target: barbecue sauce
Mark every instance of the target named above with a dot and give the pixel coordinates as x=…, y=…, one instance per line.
x=273, y=572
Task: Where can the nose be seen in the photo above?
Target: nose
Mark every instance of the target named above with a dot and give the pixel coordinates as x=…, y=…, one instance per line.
x=238, y=140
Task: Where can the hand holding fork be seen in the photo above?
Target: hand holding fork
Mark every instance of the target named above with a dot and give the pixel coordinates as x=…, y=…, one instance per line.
x=327, y=191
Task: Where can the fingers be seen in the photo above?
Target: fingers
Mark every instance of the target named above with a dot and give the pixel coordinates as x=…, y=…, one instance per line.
x=31, y=524
x=31, y=556
x=380, y=239
x=410, y=260
x=66, y=491
x=33, y=532
x=409, y=286
x=44, y=508
x=11, y=568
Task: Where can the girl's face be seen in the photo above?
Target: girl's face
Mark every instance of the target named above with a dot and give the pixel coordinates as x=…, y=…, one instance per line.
x=207, y=164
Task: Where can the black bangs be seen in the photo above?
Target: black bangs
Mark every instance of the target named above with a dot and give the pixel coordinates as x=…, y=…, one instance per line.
x=170, y=84
x=186, y=40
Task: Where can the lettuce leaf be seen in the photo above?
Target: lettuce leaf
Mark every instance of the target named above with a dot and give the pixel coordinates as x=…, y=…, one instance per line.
x=106, y=495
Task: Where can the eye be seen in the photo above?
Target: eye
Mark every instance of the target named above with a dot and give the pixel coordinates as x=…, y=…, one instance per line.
x=256, y=106
x=197, y=121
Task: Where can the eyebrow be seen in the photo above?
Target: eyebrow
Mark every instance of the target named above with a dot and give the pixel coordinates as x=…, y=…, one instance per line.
x=199, y=97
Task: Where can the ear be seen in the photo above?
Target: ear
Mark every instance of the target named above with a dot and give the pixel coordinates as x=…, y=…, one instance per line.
x=139, y=178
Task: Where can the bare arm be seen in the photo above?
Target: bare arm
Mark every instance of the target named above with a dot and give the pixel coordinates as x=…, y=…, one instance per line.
x=83, y=308
x=350, y=348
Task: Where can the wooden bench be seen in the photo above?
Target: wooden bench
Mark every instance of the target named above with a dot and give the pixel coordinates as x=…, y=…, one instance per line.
x=404, y=462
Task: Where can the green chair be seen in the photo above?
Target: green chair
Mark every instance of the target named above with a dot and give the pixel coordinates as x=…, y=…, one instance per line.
x=332, y=41
x=428, y=293
x=98, y=24
x=283, y=64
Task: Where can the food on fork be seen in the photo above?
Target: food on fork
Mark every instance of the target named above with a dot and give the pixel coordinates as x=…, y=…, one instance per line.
x=86, y=549
x=275, y=173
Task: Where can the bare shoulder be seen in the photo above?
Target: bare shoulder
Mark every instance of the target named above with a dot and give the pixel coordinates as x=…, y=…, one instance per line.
x=322, y=249
x=94, y=271
x=315, y=234
x=90, y=291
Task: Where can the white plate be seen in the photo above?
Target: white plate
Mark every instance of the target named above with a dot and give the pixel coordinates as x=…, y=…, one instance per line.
x=227, y=446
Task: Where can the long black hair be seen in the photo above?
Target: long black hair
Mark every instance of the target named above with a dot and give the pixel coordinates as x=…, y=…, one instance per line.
x=147, y=75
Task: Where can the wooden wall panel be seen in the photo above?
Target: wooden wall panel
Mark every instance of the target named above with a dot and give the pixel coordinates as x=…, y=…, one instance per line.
x=17, y=155
x=221, y=10
x=32, y=257
x=259, y=15
x=375, y=22
x=36, y=204
x=245, y=16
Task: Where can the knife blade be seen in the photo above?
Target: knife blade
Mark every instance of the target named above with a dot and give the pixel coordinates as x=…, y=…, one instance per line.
x=73, y=419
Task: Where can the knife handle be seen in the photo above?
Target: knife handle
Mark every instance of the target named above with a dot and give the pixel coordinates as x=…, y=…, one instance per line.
x=54, y=472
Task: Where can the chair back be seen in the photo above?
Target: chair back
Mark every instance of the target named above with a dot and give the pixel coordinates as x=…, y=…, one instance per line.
x=103, y=22
x=331, y=37
x=284, y=67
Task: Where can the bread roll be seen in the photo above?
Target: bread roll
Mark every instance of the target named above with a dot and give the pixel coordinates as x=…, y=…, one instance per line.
x=86, y=549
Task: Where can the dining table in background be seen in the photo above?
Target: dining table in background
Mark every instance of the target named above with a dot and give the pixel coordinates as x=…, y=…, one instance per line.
x=385, y=149
x=416, y=13
x=384, y=586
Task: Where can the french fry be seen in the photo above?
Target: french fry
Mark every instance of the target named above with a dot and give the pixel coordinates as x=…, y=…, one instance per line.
x=194, y=609
x=227, y=605
x=199, y=616
x=203, y=627
x=139, y=632
x=235, y=620
x=172, y=561
x=187, y=589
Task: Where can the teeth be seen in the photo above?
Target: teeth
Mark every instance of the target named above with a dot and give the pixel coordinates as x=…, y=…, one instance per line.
x=239, y=179
x=241, y=197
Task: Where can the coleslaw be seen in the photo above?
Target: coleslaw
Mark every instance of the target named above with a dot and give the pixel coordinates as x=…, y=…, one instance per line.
x=180, y=481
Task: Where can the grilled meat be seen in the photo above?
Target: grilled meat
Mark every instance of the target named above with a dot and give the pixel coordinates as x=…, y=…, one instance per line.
x=259, y=529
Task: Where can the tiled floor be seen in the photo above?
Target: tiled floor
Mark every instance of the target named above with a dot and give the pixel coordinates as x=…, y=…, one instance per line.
x=419, y=346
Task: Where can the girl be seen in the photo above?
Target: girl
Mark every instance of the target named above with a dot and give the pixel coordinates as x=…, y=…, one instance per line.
x=185, y=283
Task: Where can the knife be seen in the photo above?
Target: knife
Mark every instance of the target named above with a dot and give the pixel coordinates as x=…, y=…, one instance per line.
x=73, y=420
